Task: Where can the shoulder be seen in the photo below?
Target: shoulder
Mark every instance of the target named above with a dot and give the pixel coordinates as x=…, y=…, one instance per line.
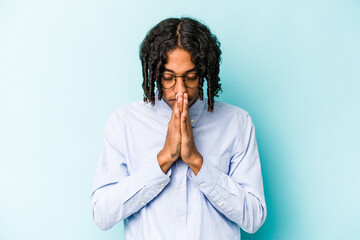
x=129, y=111
x=228, y=110
x=133, y=108
x=222, y=107
x=124, y=116
x=233, y=116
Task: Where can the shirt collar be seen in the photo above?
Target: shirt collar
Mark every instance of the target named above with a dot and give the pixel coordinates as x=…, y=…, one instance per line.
x=164, y=111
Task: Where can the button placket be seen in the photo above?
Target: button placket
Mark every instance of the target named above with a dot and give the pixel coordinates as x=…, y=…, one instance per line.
x=181, y=204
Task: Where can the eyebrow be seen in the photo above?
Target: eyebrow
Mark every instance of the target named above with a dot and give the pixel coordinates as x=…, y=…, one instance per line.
x=193, y=69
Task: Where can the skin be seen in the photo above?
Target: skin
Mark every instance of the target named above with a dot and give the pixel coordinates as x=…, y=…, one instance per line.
x=179, y=140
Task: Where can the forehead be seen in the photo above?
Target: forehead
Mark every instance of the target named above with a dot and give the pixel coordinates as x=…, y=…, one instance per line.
x=179, y=61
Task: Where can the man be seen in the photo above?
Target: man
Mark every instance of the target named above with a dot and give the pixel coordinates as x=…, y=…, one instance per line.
x=176, y=165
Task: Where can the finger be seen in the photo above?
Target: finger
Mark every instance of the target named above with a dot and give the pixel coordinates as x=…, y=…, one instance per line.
x=186, y=110
x=186, y=102
x=184, y=129
x=177, y=118
x=180, y=98
x=185, y=116
x=188, y=124
x=176, y=106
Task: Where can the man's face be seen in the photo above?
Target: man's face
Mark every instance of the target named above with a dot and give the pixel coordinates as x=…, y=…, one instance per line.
x=179, y=63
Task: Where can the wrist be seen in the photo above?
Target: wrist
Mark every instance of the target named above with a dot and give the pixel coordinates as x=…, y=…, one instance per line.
x=164, y=162
x=196, y=163
x=164, y=157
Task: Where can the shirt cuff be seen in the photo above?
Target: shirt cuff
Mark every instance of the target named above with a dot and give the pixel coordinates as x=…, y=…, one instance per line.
x=151, y=174
x=207, y=178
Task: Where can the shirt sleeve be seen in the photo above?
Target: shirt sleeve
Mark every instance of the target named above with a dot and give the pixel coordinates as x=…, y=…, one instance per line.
x=239, y=195
x=116, y=194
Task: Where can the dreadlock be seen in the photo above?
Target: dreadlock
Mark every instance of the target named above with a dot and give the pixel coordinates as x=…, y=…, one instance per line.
x=193, y=37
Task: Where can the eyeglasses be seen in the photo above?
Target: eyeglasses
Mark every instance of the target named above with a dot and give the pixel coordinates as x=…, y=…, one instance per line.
x=191, y=80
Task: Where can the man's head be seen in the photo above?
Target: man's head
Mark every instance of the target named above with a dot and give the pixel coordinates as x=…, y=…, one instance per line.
x=176, y=46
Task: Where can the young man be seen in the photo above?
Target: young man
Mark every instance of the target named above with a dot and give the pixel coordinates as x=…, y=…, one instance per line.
x=176, y=165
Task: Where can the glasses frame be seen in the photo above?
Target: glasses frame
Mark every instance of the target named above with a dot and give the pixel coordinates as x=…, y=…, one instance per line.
x=183, y=77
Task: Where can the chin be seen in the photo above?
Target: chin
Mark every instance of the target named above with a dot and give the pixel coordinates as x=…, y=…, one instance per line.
x=191, y=103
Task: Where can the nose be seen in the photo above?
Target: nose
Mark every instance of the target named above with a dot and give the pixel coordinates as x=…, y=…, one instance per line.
x=180, y=85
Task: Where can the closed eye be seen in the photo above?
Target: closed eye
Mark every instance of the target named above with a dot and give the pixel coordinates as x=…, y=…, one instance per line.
x=191, y=76
x=168, y=77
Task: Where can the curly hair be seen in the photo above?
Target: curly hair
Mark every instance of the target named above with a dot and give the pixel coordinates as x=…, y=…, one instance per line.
x=190, y=35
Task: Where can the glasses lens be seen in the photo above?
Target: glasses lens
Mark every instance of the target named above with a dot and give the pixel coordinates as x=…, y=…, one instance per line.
x=191, y=80
x=168, y=80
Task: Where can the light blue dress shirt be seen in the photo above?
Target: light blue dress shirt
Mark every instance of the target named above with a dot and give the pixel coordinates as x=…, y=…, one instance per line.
x=129, y=184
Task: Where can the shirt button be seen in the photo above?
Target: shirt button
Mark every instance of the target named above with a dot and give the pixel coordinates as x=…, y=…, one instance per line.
x=180, y=220
x=162, y=184
x=202, y=185
x=192, y=120
x=143, y=203
x=220, y=203
x=180, y=187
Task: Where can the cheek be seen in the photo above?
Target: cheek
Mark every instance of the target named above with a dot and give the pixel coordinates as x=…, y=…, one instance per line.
x=166, y=94
x=193, y=93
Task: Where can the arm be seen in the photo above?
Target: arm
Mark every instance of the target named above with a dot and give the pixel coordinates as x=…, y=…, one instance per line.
x=239, y=195
x=116, y=195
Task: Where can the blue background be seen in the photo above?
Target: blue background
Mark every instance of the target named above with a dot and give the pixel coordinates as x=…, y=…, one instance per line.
x=66, y=65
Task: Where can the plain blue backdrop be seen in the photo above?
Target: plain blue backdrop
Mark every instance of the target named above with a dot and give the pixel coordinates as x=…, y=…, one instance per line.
x=66, y=65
